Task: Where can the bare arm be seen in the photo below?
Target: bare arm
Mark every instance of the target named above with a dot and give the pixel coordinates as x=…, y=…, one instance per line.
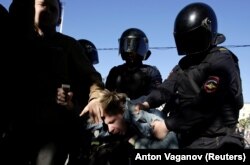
x=94, y=107
x=160, y=129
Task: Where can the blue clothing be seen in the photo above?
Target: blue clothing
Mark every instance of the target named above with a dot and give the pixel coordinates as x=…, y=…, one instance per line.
x=169, y=142
x=140, y=123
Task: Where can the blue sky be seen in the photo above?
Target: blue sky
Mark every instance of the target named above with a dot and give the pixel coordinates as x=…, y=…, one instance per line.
x=103, y=21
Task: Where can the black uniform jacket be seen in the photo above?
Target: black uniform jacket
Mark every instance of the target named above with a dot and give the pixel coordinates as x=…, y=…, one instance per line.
x=203, y=93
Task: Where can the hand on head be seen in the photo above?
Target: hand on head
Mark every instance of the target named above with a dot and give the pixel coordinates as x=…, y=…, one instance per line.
x=95, y=110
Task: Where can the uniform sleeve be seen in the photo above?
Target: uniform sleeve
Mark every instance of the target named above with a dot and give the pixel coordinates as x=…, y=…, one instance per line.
x=156, y=78
x=111, y=79
x=223, y=84
x=87, y=81
x=164, y=91
x=228, y=71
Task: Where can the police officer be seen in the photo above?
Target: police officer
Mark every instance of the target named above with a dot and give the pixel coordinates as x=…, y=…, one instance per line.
x=205, y=86
x=90, y=50
x=133, y=77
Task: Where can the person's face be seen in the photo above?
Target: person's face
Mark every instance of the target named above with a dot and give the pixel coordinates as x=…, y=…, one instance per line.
x=47, y=14
x=116, y=124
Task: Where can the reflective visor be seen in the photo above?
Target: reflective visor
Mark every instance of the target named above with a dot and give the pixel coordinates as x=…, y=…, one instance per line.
x=133, y=44
x=192, y=42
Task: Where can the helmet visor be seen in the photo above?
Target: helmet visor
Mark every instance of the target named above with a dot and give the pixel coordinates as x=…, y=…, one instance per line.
x=134, y=44
x=192, y=42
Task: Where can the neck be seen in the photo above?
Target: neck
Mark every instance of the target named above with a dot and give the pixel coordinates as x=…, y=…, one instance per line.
x=45, y=32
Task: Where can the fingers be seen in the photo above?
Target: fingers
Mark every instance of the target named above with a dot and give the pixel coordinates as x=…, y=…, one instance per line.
x=145, y=105
x=99, y=115
x=69, y=96
x=159, y=129
x=87, y=108
x=101, y=112
x=95, y=115
x=96, y=119
x=95, y=111
x=63, y=98
x=60, y=98
x=60, y=94
x=141, y=106
x=84, y=111
x=152, y=125
x=137, y=108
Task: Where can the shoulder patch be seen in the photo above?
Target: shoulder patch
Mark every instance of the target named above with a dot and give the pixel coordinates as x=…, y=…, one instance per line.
x=211, y=84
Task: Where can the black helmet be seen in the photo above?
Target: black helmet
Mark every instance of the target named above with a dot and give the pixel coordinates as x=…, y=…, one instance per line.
x=134, y=40
x=90, y=50
x=195, y=28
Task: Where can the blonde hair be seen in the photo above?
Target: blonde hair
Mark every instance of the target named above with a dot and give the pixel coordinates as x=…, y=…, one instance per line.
x=113, y=102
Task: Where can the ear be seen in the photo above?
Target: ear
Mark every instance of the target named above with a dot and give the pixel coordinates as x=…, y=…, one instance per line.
x=147, y=55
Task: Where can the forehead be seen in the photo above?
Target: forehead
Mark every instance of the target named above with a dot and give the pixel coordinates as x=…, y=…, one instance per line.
x=51, y=2
x=109, y=118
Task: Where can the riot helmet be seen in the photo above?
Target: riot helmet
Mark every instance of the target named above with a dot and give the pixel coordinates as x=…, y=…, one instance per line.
x=195, y=29
x=90, y=50
x=135, y=41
